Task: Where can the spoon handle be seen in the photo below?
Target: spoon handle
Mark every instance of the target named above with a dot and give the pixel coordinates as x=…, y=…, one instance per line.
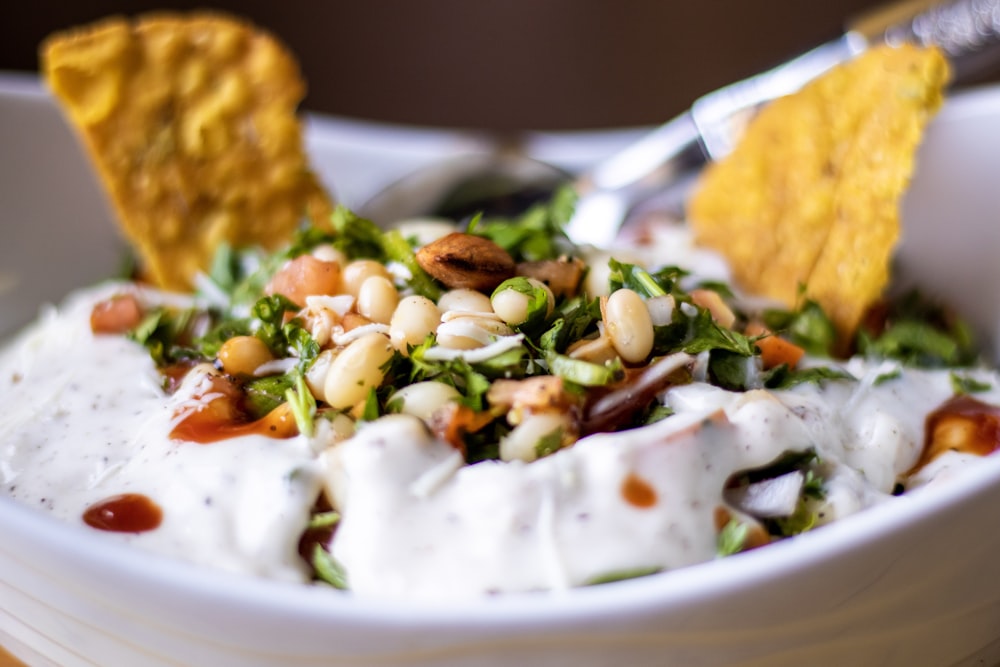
x=968, y=31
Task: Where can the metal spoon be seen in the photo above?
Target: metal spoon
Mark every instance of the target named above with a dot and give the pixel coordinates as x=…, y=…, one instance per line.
x=662, y=165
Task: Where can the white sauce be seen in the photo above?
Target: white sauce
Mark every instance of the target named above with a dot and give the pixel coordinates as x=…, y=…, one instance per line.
x=85, y=419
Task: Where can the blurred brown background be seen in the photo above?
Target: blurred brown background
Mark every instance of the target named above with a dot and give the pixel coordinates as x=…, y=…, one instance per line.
x=512, y=64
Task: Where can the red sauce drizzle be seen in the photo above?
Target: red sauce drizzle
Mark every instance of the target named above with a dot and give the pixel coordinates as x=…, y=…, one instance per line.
x=961, y=424
x=126, y=513
x=637, y=492
x=208, y=425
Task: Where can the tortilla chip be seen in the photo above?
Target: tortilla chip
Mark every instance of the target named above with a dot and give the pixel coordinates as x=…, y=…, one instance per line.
x=190, y=121
x=807, y=205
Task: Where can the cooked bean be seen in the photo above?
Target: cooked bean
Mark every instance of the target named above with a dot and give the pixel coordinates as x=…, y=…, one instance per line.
x=316, y=375
x=465, y=300
x=360, y=270
x=304, y=276
x=242, y=355
x=629, y=325
x=377, y=299
x=329, y=253
x=470, y=331
x=414, y=318
x=512, y=306
x=522, y=443
x=356, y=370
x=422, y=399
x=116, y=315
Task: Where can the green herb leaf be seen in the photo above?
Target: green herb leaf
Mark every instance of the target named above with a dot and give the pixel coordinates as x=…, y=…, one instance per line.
x=537, y=234
x=265, y=394
x=321, y=520
x=356, y=237
x=397, y=249
x=635, y=278
x=303, y=404
x=328, y=569
x=782, y=377
x=582, y=372
x=732, y=538
x=623, y=575
x=549, y=443
x=808, y=327
x=964, y=384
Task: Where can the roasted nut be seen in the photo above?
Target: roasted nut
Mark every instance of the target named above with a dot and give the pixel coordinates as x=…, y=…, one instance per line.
x=563, y=275
x=465, y=261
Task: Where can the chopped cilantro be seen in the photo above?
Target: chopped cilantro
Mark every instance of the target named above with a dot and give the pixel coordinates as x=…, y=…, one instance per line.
x=623, y=575
x=732, y=538
x=964, y=384
x=535, y=235
x=549, y=443
x=303, y=404
x=328, y=569
x=808, y=327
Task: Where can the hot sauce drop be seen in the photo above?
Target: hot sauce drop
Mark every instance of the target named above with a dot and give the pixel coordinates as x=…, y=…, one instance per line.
x=125, y=513
x=637, y=492
x=961, y=424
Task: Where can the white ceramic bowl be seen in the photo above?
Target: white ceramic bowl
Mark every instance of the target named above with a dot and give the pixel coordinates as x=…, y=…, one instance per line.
x=908, y=583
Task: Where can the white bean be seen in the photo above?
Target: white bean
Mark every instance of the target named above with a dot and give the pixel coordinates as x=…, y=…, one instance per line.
x=521, y=444
x=465, y=300
x=629, y=325
x=330, y=431
x=414, y=318
x=316, y=375
x=423, y=399
x=377, y=299
x=512, y=306
x=468, y=333
x=329, y=253
x=360, y=270
x=356, y=370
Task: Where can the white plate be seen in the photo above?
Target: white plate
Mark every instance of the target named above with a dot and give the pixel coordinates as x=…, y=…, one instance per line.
x=905, y=584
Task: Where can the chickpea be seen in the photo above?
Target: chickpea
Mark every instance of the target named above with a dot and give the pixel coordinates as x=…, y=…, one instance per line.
x=242, y=355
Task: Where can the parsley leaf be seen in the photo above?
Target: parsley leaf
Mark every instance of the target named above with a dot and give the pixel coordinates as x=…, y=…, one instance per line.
x=535, y=235
x=732, y=538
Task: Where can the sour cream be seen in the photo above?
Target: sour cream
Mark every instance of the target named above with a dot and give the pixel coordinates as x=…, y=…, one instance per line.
x=86, y=419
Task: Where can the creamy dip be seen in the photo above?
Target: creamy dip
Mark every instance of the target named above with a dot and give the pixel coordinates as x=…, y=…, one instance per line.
x=86, y=419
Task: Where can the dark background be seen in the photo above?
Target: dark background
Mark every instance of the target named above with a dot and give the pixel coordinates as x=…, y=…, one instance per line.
x=498, y=64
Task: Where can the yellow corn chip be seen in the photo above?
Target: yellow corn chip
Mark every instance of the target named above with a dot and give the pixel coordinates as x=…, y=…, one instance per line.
x=190, y=121
x=810, y=197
